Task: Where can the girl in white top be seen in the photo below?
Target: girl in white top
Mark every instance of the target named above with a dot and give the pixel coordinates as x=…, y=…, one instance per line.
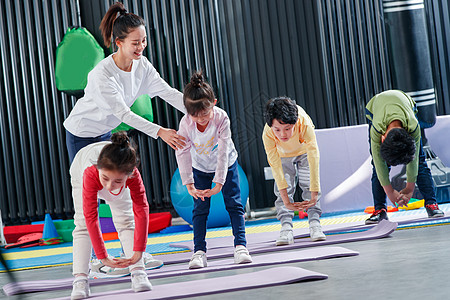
x=209, y=156
x=115, y=83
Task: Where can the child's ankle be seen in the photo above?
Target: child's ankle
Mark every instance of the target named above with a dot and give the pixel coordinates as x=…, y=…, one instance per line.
x=136, y=269
x=80, y=276
x=314, y=223
x=286, y=226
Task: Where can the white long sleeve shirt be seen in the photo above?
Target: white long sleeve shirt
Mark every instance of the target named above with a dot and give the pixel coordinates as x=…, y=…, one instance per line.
x=109, y=94
x=210, y=151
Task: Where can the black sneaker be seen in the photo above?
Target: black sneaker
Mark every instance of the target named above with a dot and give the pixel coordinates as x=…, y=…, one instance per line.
x=434, y=211
x=377, y=216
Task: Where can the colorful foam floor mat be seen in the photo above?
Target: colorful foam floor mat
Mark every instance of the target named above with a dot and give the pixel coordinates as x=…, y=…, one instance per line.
x=46, y=256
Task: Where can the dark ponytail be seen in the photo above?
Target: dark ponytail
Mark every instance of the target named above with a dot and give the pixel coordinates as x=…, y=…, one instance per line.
x=119, y=156
x=117, y=23
x=198, y=95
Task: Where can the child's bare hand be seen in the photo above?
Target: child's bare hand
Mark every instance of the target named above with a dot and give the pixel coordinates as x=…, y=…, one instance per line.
x=296, y=206
x=124, y=262
x=137, y=255
x=210, y=192
x=405, y=196
x=194, y=192
x=114, y=262
x=306, y=204
x=403, y=200
x=396, y=198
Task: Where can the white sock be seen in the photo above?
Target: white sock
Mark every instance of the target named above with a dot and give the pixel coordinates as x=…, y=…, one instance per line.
x=286, y=226
x=80, y=277
x=314, y=223
x=138, y=272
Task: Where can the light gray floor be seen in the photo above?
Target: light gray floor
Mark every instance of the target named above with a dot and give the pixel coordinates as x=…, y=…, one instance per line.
x=411, y=264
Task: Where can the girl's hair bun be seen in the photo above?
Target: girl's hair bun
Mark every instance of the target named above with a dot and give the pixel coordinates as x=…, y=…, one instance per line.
x=119, y=155
x=120, y=138
x=197, y=79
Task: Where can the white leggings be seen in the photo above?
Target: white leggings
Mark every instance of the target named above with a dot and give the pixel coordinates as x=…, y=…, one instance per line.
x=123, y=218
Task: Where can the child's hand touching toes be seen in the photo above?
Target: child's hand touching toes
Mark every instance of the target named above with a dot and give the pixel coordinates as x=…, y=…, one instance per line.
x=113, y=262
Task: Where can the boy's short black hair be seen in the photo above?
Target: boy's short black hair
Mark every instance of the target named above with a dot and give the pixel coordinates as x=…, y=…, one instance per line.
x=282, y=109
x=398, y=147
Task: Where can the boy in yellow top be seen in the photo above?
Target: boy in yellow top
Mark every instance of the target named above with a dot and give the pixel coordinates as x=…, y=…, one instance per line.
x=292, y=153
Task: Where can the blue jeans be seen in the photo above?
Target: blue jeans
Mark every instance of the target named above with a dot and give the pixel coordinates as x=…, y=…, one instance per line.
x=75, y=143
x=424, y=181
x=232, y=197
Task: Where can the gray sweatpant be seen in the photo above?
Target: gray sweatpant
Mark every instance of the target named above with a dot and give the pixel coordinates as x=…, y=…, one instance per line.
x=296, y=168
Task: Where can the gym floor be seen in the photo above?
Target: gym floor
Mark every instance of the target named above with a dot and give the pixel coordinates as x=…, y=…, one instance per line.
x=410, y=264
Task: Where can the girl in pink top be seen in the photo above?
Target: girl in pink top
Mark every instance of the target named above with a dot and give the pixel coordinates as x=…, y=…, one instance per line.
x=209, y=156
x=107, y=170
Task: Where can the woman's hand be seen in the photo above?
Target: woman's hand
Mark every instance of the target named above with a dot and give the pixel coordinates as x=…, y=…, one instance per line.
x=171, y=137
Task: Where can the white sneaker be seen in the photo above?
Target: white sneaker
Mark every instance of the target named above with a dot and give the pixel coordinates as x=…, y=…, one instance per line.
x=198, y=260
x=140, y=282
x=150, y=262
x=286, y=238
x=316, y=234
x=241, y=255
x=80, y=288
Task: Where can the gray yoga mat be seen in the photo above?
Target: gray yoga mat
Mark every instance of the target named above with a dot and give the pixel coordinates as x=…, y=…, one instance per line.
x=176, y=270
x=381, y=230
x=252, y=280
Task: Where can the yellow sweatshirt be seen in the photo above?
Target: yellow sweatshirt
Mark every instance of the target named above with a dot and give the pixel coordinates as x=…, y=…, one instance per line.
x=302, y=141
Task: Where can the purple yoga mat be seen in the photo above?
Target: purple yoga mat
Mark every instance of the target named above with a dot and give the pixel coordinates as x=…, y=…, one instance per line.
x=176, y=270
x=259, y=279
x=381, y=230
x=262, y=237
